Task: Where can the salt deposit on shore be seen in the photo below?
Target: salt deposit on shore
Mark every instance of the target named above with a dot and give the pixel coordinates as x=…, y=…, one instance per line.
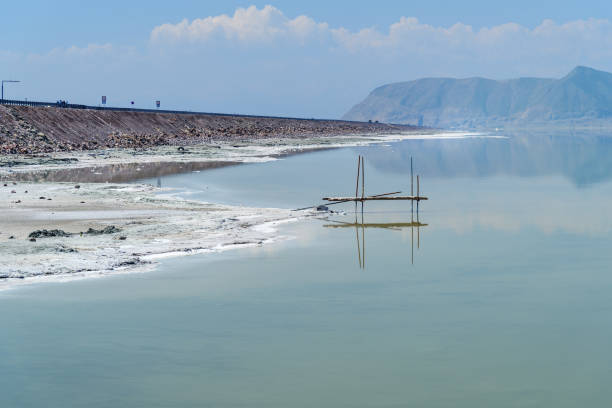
x=150, y=225
x=222, y=152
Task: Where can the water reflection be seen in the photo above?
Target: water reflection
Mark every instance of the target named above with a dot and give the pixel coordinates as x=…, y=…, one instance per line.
x=360, y=226
x=583, y=158
x=116, y=173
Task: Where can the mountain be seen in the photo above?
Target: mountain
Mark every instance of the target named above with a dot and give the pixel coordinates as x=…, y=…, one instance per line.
x=582, y=95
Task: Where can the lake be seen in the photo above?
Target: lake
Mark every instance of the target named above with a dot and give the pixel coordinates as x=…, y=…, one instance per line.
x=497, y=293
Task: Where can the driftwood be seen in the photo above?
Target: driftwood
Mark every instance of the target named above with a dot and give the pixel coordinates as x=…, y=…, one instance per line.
x=390, y=225
x=373, y=198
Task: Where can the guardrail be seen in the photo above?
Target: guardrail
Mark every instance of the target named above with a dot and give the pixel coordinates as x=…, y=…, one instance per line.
x=62, y=104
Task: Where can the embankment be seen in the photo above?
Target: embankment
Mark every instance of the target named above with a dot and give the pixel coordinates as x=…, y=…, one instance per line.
x=31, y=130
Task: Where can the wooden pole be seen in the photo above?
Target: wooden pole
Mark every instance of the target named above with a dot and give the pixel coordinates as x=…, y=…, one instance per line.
x=349, y=199
x=362, y=178
x=411, y=184
x=358, y=166
x=411, y=178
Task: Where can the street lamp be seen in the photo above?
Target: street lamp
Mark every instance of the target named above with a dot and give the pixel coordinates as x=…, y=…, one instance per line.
x=7, y=81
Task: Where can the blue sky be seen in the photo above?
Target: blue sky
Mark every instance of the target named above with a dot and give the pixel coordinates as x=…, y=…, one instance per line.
x=313, y=58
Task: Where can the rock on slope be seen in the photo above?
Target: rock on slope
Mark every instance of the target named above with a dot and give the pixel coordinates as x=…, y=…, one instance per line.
x=25, y=129
x=583, y=94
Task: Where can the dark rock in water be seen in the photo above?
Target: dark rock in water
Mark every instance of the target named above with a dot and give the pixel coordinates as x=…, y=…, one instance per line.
x=48, y=233
x=77, y=186
x=32, y=239
x=41, y=198
x=111, y=229
x=181, y=149
x=12, y=237
x=322, y=208
x=122, y=238
x=13, y=191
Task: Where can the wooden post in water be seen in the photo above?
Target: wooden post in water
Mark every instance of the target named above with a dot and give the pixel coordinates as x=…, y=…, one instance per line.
x=362, y=178
x=411, y=178
x=357, y=186
x=411, y=185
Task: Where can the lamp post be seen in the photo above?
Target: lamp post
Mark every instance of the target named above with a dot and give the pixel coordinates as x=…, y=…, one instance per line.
x=7, y=81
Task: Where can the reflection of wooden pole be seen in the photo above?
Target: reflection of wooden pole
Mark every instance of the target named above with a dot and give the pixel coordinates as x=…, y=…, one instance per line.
x=358, y=244
x=412, y=237
x=418, y=196
x=362, y=241
x=418, y=224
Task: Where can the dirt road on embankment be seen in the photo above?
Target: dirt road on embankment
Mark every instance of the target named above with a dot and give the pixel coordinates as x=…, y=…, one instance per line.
x=31, y=130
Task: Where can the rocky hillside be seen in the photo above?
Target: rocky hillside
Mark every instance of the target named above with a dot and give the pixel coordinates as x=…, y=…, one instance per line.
x=582, y=95
x=27, y=130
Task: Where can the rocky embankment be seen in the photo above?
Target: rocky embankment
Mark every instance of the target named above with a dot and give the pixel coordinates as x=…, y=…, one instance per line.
x=31, y=130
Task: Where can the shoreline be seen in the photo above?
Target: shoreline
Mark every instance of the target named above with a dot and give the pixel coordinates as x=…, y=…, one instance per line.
x=144, y=223
x=155, y=222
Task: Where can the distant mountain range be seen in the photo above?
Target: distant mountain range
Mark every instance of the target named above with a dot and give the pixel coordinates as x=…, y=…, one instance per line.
x=582, y=96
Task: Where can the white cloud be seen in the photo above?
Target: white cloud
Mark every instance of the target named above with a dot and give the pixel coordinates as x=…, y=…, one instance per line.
x=86, y=53
x=247, y=25
x=590, y=38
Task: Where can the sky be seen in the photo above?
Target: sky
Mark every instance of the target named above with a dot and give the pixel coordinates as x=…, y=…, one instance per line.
x=285, y=58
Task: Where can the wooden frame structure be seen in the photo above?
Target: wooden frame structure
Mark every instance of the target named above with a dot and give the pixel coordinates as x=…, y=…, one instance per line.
x=378, y=197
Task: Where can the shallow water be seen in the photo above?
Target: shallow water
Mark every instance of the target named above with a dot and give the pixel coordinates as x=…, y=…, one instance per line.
x=504, y=301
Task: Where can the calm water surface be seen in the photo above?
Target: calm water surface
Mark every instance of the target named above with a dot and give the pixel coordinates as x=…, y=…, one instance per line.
x=500, y=297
